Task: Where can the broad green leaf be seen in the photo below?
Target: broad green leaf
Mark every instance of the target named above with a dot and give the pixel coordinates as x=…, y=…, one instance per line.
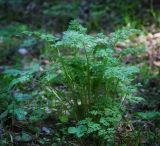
x=22, y=97
x=79, y=131
x=24, y=137
x=20, y=114
x=63, y=118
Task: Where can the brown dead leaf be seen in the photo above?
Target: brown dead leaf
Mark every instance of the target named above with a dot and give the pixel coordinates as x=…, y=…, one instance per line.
x=149, y=37
x=156, y=35
x=45, y=62
x=156, y=63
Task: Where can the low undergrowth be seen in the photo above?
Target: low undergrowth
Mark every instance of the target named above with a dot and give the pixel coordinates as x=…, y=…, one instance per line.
x=85, y=84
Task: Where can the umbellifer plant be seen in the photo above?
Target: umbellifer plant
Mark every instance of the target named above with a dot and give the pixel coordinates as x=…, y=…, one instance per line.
x=95, y=82
x=89, y=70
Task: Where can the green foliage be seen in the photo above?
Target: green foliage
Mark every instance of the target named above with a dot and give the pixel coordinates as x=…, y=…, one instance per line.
x=95, y=83
x=79, y=131
x=143, y=135
x=62, y=10
x=11, y=2
x=89, y=69
x=79, y=77
x=42, y=40
x=150, y=115
x=97, y=15
x=21, y=101
x=24, y=137
x=85, y=82
x=101, y=123
x=9, y=42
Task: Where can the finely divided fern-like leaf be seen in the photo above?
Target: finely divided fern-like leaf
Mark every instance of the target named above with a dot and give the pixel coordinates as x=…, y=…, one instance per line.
x=120, y=72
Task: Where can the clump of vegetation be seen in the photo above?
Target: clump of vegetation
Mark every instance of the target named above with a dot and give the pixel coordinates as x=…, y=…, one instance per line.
x=95, y=84
x=79, y=87
x=9, y=42
x=89, y=70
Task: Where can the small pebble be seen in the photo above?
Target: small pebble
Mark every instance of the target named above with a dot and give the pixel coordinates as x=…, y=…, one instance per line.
x=23, y=51
x=45, y=130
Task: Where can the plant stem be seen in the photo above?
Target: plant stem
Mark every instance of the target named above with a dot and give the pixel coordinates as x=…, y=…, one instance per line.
x=88, y=77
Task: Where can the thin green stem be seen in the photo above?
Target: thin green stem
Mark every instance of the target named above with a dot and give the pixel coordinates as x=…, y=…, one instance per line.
x=69, y=80
x=88, y=76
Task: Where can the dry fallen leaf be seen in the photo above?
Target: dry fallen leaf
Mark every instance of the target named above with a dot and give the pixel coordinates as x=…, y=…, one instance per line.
x=156, y=63
x=156, y=35
x=45, y=62
x=149, y=36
